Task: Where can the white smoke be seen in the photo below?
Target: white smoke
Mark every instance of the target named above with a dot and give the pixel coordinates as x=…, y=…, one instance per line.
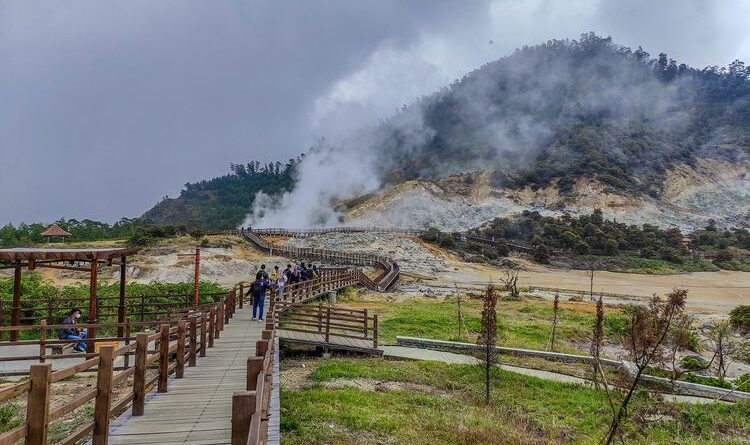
x=328, y=173
x=396, y=73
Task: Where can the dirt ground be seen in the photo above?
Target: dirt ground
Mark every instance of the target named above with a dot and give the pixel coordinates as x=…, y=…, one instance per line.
x=708, y=292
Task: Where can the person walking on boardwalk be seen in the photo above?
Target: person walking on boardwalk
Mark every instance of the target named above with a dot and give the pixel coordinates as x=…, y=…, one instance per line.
x=280, y=281
x=259, y=288
x=72, y=332
x=262, y=273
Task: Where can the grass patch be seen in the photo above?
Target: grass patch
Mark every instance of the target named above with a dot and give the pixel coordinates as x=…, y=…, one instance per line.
x=522, y=324
x=523, y=410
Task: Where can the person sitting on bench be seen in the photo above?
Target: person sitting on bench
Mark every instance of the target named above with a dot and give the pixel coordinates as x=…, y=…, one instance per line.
x=73, y=332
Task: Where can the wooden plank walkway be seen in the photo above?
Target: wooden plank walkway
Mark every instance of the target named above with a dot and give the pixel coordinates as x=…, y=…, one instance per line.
x=198, y=408
x=334, y=341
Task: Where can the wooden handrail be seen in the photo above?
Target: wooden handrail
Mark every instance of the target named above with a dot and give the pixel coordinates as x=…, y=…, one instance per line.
x=390, y=267
x=250, y=408
x=39, y=415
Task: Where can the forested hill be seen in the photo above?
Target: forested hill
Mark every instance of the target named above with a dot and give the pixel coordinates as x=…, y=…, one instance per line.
x=547, y=114
x=566, y=109
x=224, y=202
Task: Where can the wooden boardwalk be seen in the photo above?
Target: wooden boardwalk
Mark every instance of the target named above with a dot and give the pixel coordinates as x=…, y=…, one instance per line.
x=334, y=341
x=198, y=408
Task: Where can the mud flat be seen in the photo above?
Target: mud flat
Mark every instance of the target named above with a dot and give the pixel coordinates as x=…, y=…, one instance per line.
x=429, y=269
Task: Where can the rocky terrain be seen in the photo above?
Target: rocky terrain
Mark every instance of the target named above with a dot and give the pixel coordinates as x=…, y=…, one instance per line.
x=712, y=189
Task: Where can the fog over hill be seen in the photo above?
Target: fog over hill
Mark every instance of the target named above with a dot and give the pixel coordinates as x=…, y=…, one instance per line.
x=545, y=117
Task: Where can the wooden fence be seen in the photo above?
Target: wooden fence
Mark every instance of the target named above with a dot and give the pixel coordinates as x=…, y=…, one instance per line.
x=134, y=307
x=332, y=325
x=305, y=233
x=384, y=282
x=250, y=408
x=185, y=339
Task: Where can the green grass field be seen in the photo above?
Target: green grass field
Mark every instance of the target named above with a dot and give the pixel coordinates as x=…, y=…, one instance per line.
x=442, y=404
x=522, y=324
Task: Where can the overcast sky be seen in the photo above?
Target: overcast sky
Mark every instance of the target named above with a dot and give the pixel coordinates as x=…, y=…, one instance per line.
x=106, y=106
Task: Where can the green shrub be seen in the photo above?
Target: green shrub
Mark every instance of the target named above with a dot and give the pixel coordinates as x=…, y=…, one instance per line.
x=693, y=342
x=692, y=364
x=708, y=381
x=739, y=317
x=9, y=417
x=743, y=383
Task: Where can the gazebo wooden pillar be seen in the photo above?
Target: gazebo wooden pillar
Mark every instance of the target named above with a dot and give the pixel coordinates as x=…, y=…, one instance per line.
x=15, y=314
x=63, y=259
x=93, y=304
x=121, y=306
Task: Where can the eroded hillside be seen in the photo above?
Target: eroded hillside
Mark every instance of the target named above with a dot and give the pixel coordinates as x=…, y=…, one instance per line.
x=712, y=189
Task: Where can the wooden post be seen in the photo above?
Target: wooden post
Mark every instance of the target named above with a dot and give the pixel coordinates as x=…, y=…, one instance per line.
x=37, y=404
x=143, y=304
x=103, y=401
x=254, y=366
x=219, y=319
x=163, y=358
x=126, y=357
x=226, y=310
x=204, y=318
x=139, y=378
x=15, y=310
x=365, y=323
x=265, y=334
x=261, y=346
x=93, y=306
x=42, y=340
x=328, y=323
x=121, y=306
x=243, y=408
x=179, y=369
x=197, y=277
x=375, y=331
x=320, y=316
x=193, y=340
x=242, y=294
x=211, y=326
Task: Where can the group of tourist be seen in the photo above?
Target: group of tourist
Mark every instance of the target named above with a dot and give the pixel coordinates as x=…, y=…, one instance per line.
x=278, y=280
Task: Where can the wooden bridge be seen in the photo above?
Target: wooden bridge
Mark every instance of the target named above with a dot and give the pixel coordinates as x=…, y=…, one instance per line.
x=208, y=375
x=384, y=281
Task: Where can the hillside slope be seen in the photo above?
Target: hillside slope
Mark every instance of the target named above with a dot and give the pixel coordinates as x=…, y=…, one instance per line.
x=223, y=202
x=570, y=109
x=710, y=189
x=566, y=126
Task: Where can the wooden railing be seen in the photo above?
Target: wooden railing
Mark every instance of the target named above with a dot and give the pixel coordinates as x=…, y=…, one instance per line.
x=329, y=321
x=134, y=307
x=186, y=340
x=44, y=342
x=330, y=280
x=250, y=408
x=385, y=281
x=304, y=233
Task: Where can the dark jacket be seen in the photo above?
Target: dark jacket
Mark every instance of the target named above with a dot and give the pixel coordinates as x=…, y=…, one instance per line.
x=63, y=333
x=259, y=287
x=261, y=274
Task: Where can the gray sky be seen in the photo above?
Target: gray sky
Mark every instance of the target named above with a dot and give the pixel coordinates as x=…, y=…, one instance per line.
x=106, y=106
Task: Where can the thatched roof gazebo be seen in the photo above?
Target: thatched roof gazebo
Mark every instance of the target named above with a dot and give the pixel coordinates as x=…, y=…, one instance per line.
x=55, y=230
